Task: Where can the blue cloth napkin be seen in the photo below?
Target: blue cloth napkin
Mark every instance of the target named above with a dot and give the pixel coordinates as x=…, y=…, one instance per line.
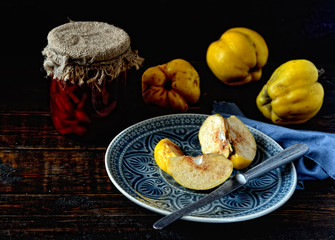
x=317, y=164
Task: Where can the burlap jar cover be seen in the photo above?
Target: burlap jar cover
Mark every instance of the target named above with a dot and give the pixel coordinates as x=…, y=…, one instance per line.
x=89, y=55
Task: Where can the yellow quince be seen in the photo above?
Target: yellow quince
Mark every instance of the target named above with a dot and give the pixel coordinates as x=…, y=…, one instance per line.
x=238, y=56
x=293, y=94
x=174, y=84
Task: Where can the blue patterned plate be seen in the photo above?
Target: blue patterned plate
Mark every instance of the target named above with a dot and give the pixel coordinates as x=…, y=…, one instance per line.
x=132, y=169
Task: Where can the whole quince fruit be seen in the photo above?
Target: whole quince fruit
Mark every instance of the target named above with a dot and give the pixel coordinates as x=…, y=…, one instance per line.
x=174, y=84
x=238, y=56
x=293, y=94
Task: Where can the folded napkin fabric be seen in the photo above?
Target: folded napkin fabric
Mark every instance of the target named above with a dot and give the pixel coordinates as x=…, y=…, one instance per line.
x=317, y=164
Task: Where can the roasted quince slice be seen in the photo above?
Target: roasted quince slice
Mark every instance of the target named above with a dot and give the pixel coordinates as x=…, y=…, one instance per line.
x=200, y=173
x=243, y=141
x=213, y=136
x=229, y=137
x=165, y=149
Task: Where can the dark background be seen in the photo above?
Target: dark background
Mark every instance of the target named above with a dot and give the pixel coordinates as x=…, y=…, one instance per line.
x=163, y=30
x=166, y=29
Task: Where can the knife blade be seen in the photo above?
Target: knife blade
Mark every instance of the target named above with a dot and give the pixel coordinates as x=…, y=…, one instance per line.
x=289, y=154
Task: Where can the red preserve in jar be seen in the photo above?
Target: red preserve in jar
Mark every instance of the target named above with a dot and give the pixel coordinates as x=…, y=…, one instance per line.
x=87, y=63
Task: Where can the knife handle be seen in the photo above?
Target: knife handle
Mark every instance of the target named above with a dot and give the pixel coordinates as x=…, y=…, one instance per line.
x=287, y=155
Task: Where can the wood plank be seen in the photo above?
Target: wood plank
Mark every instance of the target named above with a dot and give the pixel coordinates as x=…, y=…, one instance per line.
x=35, y=130
x=139, y=227
x=114, y=204
x=69, y=205
x=68, y=171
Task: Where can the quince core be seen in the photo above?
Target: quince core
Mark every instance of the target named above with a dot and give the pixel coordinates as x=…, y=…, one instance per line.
x=229, y=137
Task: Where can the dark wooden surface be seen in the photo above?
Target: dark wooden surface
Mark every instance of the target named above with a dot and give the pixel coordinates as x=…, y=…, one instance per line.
x=54, y=187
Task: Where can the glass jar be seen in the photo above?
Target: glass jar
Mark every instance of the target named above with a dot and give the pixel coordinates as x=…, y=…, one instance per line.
x=87, y=63
x=75, y=108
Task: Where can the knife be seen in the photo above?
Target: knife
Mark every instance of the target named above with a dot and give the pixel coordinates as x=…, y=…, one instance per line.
x=289, y=154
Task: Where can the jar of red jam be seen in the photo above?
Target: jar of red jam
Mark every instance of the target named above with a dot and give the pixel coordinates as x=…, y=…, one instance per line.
x=87, y=63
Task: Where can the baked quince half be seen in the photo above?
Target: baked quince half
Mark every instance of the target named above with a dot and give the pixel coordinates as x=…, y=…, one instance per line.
x=229, y=137
x=200, y=173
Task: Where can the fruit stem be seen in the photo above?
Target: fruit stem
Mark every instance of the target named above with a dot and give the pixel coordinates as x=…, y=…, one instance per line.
x=321, y=72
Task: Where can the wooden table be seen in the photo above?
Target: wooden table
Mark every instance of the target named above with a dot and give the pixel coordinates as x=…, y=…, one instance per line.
x=52, y=186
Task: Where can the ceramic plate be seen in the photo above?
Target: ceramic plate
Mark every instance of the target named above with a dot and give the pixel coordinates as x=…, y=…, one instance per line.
x=132, y=169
